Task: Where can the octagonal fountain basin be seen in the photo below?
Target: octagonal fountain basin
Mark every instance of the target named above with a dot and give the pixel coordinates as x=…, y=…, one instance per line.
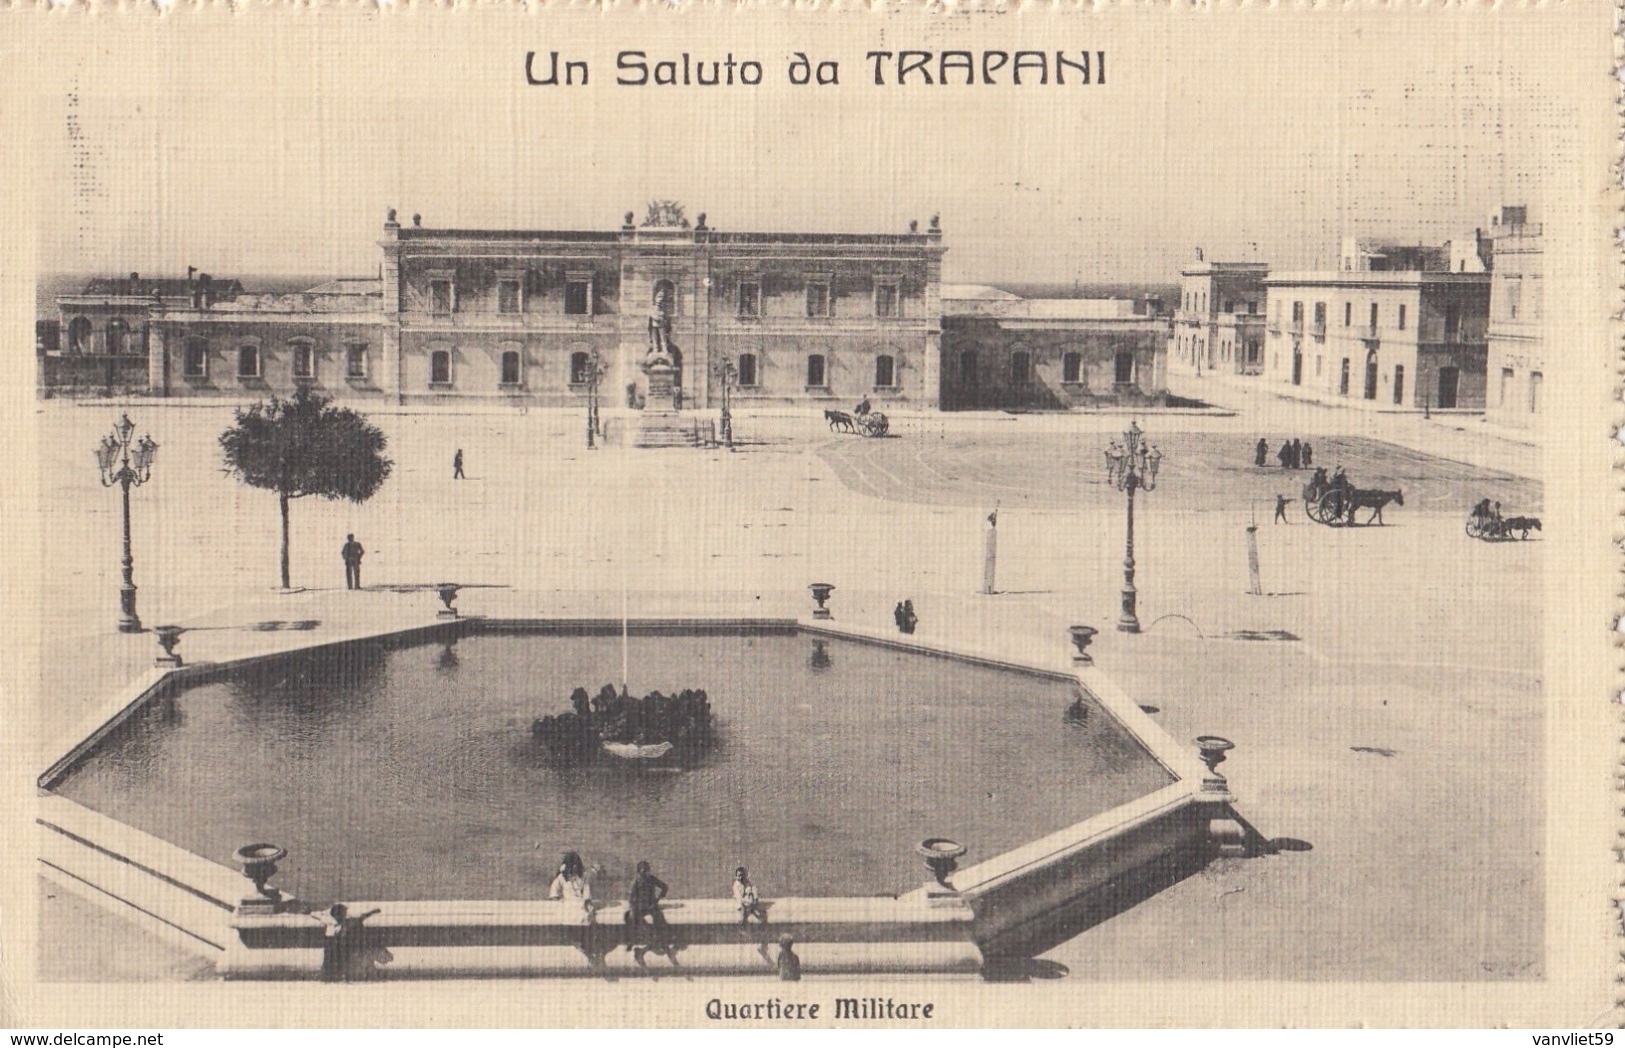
x=403, y=768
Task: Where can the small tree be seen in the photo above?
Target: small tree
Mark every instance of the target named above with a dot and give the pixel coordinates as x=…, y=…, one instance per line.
x=305, y=446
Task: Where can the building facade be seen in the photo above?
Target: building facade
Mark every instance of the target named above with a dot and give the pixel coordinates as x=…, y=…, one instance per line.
x=1219, y=324
x=1396, y=338
x=1517, y=345
x=1004, y=352
x=538, y=318
x=533, y=317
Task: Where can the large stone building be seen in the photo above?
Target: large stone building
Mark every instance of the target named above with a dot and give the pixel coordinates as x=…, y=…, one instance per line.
x=1219, y=324
x=523, y=317
x=1517, y=347
x=1383, y=329
x=529, y=317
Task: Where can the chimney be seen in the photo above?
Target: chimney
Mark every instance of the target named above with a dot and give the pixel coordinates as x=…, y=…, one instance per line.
x=206, y=292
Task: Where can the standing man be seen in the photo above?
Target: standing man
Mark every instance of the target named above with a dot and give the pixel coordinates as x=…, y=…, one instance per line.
x=643, y=903
x=1261, y=454
x=457, y=465
x=352, y=554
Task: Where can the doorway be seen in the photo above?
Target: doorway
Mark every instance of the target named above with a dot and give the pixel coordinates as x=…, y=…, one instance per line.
x=1449, y=379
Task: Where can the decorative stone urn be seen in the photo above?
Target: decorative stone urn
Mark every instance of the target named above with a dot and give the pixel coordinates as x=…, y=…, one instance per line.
x=1213, y=749
x=1081, y=638
x=821, y=592
x=941, y=858
x=259, y=865
x=168, y=637
x=448, y=593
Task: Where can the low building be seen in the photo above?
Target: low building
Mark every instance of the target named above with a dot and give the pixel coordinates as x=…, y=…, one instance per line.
x=100, y=339
x=1001, y=351
x=1219, y=324
x=1411, y=338
x=1517, y=345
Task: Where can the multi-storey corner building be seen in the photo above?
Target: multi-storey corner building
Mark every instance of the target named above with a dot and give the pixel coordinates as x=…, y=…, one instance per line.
x=1219, y=324
x=531, y=317
x=1379, y=331
x=1517, y=348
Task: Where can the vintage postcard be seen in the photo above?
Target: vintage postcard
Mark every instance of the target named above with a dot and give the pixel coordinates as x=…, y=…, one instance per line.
x=757, y=517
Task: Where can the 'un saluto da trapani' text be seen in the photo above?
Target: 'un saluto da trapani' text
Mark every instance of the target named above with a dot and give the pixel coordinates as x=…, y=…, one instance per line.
x=882, y=68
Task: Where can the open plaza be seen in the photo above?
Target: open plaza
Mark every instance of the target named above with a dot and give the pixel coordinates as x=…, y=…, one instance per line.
x=1384, y=691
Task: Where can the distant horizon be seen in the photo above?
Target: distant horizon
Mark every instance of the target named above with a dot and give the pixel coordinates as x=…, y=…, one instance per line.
x=1359, y=133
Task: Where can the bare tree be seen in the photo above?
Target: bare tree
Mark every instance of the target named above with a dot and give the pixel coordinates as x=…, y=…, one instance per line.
x=305, y=446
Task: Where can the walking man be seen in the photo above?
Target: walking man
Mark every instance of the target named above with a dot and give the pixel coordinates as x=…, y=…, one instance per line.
x=457, y=465
x=352, y=554
x=1280, y=509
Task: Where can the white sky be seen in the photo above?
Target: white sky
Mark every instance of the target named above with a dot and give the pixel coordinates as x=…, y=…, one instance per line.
x=209, y=141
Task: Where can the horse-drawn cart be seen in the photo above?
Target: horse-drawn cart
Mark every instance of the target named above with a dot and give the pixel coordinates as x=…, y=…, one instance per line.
x=869, y=423
x=1491, y=527
x=1334, y=505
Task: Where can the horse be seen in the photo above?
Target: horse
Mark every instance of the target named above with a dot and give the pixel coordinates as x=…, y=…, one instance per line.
x=1522, y=525
x=1373, y=500
x=839, y=421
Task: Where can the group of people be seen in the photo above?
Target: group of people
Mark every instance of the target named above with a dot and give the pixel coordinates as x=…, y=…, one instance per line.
x=646, y=928
x=1294, y=454
x=904, y=616
x=1484, y=510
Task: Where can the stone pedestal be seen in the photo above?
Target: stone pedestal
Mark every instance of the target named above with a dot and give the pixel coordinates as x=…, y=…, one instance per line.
x=660, y=425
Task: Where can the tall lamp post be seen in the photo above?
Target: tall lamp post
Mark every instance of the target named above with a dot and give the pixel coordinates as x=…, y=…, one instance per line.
x=728, y=374
x=1132, y=466
x=126, y=465
x=595, y=371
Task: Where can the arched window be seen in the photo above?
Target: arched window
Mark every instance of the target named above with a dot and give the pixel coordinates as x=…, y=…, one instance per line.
x=815, y=370
x=79, y=335
x=580, y=367
x=885, y=372
x=304, y=358
x=248, y=361
x=510, y=368
x=440, y=367
x=1020, y=368
x=747, y=369
x=1071, y=367
x=1123, y=369
x=118, y=336
x=196, y=362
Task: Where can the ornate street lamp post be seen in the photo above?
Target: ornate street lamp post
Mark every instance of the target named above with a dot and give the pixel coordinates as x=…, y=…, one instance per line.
x=595, y=371
x=728, y=374
x=126, y=465
x=1131, y=465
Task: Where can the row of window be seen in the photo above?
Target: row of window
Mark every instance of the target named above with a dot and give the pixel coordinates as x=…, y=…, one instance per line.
x=195, y=360
x=303, y=365
x=512, y=296
x=120, y=337
x=1451, y=317
x=1021, y=368
x=1535, y=378
x=579, y=299
x=1196, y=301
